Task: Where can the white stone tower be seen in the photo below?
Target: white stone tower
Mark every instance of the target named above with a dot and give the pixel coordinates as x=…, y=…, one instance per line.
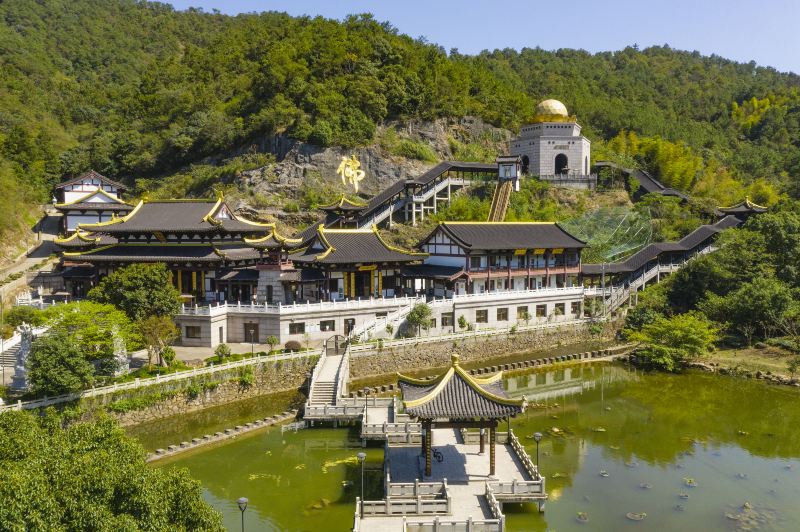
x=553, y=149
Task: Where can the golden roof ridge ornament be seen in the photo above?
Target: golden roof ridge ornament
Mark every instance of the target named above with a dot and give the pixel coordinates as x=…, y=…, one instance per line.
x=350, y=171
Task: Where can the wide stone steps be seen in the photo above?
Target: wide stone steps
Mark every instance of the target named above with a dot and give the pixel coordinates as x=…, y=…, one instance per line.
x=323, y=393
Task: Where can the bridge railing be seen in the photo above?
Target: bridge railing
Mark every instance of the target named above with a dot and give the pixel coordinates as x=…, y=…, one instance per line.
x=293, y=308
x=469, y=524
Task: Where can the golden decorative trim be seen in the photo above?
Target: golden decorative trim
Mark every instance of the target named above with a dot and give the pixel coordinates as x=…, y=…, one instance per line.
x=473, y=382
x=77, y=234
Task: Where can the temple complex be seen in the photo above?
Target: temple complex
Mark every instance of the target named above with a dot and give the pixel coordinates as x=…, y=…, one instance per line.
x=243, y=280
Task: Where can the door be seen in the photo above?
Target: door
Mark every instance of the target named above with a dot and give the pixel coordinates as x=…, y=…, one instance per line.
x=251, y=333
x=349, y=325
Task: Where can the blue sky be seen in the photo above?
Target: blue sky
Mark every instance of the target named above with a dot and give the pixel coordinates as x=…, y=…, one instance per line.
x=765, y=31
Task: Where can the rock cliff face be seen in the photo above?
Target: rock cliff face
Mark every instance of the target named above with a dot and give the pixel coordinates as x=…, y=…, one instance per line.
x=301, y=167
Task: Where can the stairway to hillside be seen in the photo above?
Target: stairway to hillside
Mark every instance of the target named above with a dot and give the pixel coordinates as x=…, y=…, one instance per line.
x=9, y=357
x=502, y=195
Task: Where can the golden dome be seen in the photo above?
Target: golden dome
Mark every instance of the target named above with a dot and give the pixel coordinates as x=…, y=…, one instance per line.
x=551, y=108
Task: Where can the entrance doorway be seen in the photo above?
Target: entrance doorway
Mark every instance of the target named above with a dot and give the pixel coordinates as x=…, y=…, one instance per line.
x=349, y=325
x=561, y=163
x=251, y=333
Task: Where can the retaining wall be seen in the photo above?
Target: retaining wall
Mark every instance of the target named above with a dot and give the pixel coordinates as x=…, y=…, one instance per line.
x=179, y=396
x=470, y=349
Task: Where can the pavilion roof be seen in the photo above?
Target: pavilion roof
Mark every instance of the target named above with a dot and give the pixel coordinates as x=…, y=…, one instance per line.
x=82, y=239
x=273, y=240
x=743, y=207
x=91, y=174
x=353, y=246
x=186, y=216
x=457, y=396
x=140, y=252
x=507, y=235
x=344, y=204
x=84, y=202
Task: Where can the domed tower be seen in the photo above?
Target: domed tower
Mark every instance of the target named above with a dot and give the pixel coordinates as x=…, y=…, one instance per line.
x=553, y=149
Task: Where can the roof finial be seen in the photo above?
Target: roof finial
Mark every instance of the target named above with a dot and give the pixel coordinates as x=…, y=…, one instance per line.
x=454, y=359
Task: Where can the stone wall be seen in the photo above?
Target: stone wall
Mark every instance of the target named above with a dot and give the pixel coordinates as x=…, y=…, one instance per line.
x=227, y=387
x=471, y=349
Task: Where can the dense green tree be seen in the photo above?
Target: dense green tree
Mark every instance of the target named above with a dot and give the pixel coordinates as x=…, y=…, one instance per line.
x=57, y=365
x=140, y=290
x=757, y=306
x=669, y=343
x=138, y=89
x=90, y=476
x=94, y=327
x=419, y=317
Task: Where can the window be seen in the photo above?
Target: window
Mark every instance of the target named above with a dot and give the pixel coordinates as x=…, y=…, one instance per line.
x=432, y=323
x=522, y=313
x=575, y=308
x=379, y=315
x=541, y=311
x=297, y=328
x=502, y=314
x=327, y=325
x=447, y=319
x=482, y=316
x=520, y=262
x=559, y=309
x=475, y=263
x=192, y=331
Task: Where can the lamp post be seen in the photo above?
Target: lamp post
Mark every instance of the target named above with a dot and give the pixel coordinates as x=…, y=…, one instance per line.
x=537, y=436
x=242, y=502
x=361, y=457
x=252, y=334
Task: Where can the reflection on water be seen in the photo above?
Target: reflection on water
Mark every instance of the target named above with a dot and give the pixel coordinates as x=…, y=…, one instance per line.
x=693, y=451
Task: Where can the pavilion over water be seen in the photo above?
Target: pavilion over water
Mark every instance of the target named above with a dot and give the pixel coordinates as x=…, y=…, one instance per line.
x=459, y=400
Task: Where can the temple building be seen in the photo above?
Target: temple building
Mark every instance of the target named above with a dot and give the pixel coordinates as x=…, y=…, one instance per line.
x=201, y=241
x=89, y=198
x=553, y=149
x=353, y=263
x=477, y=257
x=344, y=212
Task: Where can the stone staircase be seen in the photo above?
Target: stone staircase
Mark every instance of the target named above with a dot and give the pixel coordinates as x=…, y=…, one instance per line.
x=323, y=393
x=9, y=357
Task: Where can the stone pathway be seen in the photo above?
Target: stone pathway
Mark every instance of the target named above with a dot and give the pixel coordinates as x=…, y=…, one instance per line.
x=464, y=468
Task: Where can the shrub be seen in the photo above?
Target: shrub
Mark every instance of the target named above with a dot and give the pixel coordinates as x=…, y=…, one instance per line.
x=222, y=351
x=24, y=314
x=293, y=345
x=168, y=354
x=415, y=150
x=139, y=403
x=246, y=377
x=193, y=390
x=462, y=322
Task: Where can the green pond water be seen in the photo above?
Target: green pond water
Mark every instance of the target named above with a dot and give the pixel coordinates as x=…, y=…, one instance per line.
x=738, y=440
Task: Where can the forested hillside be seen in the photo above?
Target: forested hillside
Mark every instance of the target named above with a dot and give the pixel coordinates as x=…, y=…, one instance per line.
x=138, y=90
